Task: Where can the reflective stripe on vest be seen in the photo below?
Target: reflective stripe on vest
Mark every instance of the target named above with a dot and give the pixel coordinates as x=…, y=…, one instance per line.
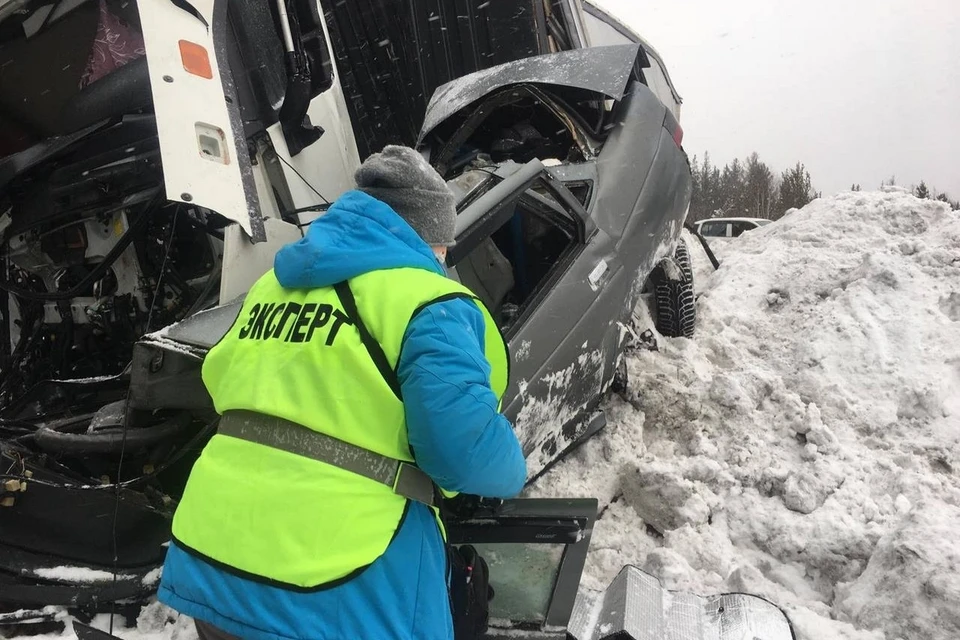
x=297, y=354
x=405, y=478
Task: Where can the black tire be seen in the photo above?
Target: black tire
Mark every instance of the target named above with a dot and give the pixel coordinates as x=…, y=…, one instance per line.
x=676, y=308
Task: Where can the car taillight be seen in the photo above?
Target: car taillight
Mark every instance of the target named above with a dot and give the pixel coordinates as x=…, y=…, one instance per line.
x=673, y=127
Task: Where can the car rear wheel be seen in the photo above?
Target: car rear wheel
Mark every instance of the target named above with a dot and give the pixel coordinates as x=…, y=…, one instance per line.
x=676, y=310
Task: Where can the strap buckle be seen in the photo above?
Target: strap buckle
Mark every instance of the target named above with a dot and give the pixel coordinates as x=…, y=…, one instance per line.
x=411, y=482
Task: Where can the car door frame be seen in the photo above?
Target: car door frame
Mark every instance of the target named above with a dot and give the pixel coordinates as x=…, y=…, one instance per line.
x=489, y=211
x=555, y=384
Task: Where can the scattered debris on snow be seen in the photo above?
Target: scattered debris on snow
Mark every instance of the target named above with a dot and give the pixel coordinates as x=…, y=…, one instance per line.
x=804, y=445
x=155, y=622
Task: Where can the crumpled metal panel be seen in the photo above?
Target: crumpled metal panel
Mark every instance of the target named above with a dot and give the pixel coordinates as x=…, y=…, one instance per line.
x=637, y=605
x=604, y=70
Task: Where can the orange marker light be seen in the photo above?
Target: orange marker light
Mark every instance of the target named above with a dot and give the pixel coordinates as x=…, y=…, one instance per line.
x=195, y=59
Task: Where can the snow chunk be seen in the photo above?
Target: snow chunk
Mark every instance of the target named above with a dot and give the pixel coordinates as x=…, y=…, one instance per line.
x=663, y=500
x=804, y=492
x=670, y=568
x=950, y=306
x=727, y=392
x=152, y=578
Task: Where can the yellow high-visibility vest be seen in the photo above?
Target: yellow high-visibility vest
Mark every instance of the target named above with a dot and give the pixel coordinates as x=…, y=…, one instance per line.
x=297, y=354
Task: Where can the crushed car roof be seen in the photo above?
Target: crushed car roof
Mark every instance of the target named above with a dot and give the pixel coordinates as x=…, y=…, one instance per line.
x=604, y=70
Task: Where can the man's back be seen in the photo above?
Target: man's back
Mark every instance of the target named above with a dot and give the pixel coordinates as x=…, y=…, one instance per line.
x=305, y=551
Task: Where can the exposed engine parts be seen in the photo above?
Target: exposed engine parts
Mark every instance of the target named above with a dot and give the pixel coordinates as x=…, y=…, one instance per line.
x=93, y=256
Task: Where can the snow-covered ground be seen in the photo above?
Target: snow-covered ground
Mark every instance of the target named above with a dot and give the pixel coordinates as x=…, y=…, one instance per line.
x=804, y=445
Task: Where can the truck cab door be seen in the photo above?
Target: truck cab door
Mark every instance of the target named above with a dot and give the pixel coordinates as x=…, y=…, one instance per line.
x=202, y=145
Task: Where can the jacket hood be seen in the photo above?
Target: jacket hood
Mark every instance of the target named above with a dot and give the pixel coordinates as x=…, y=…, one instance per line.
x=357, y=234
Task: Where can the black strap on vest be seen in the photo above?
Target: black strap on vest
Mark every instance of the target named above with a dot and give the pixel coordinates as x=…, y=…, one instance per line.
x=369, y=342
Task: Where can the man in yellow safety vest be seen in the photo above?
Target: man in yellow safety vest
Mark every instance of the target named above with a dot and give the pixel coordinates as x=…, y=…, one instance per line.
x=356, y=382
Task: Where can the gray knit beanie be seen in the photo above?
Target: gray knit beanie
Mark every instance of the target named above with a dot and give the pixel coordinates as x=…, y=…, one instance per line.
x=403, y=179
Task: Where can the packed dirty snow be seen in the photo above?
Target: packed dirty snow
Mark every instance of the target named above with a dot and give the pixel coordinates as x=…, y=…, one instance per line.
x=804, y=445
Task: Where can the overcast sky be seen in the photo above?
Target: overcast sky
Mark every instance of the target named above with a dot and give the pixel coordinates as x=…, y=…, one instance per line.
x=858, y=90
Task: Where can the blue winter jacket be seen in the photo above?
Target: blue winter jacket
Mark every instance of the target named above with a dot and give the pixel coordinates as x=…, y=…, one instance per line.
x=456, y=433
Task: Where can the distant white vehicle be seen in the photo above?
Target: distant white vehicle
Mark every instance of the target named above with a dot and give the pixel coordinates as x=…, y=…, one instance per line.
x=728, y=227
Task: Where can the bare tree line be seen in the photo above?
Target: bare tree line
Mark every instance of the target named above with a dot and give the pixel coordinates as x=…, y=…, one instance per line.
x=750, y=188
x=747, y=188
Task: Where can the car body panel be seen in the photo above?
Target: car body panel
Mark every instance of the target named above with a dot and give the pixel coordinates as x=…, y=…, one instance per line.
x=628, y=161
x=603, y=29
x=568, y=352
x=244, y=262
x=731, y=227
x=328, y=110
x=558, y=343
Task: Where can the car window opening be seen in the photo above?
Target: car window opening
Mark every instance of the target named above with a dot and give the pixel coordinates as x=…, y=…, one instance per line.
x=581, y=191
x=713, y=229
x=512, y=265
x=738, y=227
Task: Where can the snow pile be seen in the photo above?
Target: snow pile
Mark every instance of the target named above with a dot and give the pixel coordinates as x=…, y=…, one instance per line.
x=804, y=446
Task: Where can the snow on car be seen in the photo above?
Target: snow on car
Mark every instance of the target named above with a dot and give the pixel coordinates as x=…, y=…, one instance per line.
x=804, y=445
